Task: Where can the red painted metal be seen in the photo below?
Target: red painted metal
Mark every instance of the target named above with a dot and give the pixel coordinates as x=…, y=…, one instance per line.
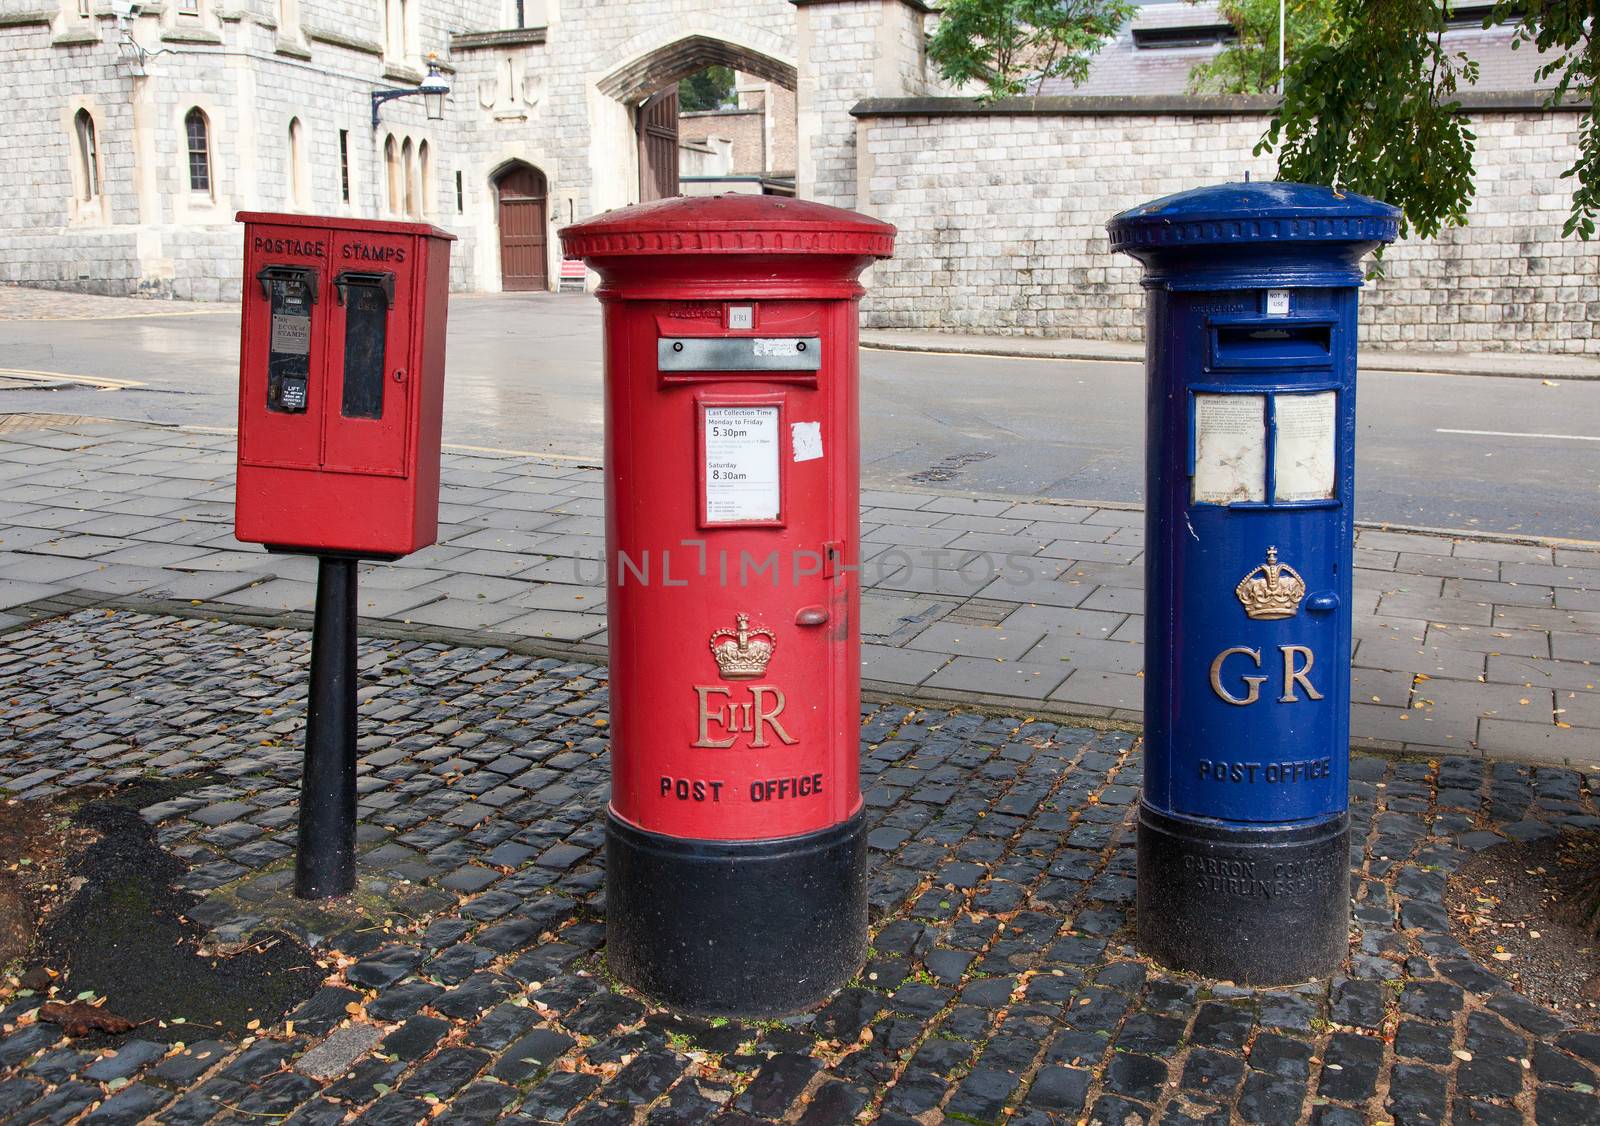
x=339, y=476
x=699, y=751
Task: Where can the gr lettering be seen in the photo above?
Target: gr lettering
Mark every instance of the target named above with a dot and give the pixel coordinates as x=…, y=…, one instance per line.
x=1297, y=662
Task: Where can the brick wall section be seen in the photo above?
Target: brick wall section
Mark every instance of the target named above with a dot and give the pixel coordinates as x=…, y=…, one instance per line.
x=746, y=128
x=780, y=126
x=1002, y=227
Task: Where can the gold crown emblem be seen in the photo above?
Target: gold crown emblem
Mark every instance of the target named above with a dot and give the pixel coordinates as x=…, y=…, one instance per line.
x=1271, y=591
x=743, y=653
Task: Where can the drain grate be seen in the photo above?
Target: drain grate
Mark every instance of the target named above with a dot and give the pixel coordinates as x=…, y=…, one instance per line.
x=13, y=422
x=949, y=468
x=980, y=612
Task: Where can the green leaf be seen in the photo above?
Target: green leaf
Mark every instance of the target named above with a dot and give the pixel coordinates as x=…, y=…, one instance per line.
x=1372, y=108
x=1010, y=46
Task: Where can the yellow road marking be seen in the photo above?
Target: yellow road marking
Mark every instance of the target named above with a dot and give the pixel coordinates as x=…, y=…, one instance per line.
x=122, y=316
x=447, y=445
x=520, y=453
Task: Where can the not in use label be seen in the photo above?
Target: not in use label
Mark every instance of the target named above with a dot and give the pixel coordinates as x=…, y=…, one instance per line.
x=741, y=470
x=291, y=333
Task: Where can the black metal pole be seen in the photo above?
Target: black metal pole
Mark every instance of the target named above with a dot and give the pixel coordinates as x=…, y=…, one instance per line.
x=325, y=864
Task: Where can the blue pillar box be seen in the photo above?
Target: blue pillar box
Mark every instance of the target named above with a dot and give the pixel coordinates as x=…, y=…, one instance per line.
x=1243, y=867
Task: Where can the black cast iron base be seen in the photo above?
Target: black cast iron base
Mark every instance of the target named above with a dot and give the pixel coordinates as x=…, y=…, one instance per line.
x=736, y=928
x=1258, y=906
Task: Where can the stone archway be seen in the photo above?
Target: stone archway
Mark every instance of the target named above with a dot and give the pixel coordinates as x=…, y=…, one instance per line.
x=668, y=63
x=656, y=62
x=522, y=217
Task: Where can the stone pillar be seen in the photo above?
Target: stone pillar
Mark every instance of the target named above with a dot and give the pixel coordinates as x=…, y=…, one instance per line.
x=847, y=50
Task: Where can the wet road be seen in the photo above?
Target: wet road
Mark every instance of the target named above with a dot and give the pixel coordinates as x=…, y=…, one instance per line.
x=1470, y=452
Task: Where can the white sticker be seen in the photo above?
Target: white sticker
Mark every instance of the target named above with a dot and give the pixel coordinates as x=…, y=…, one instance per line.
x=1230, y=449
x=807, y=439
x=1277, y=302
x=741, y=316
x=291, y=334
x=769, y=346
x=1303, y=464
x=741, y=464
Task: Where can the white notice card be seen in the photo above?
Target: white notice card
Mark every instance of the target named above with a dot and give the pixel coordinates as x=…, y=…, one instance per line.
x=741, y=464
x=1303, y=465
x=1230, y=449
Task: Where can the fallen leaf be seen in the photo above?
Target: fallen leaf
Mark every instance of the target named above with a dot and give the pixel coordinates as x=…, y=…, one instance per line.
x=78, y=1019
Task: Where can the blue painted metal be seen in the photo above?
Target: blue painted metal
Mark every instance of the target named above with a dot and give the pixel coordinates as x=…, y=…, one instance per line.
x=1210, y=258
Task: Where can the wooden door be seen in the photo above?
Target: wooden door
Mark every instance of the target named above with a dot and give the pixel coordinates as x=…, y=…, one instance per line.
x=658, y=145
x=522, y=199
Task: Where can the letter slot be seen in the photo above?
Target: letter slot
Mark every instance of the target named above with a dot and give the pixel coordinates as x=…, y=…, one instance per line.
x=1276, y=343
x=367, y=298
x=739, y=353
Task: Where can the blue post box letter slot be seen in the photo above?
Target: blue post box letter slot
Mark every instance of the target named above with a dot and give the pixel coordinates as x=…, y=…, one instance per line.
x=1243, y=869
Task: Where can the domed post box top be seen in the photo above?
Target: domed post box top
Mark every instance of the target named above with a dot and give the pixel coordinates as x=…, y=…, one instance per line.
x=768, y=242
x=1323, y=231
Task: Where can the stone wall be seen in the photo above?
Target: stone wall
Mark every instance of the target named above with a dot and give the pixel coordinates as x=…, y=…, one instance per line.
x=1002, y=211
x=846, y=46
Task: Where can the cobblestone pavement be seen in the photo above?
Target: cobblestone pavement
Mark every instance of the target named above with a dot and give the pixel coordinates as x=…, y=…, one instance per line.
x=1000, y=987
x=1475, y=646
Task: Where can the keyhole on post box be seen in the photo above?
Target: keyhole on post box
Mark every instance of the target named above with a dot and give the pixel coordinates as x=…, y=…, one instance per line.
x=399, y=375
x=677, y=345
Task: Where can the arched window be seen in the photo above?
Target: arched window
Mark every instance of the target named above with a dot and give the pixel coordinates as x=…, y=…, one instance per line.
x=391, y=164
x=299, y=189
x=425, y=174
x=397, y=39
x=408, y=178
x=197, y=131
x=88, y=156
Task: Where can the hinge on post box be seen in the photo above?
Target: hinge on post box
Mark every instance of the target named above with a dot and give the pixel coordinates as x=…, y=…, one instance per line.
x=383, y=281
x=305, y=275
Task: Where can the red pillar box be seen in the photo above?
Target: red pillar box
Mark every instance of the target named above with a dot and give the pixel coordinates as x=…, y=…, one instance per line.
x=736, y=854
x=341, y=384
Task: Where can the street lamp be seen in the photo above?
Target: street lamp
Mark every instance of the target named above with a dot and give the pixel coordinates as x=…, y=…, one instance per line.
x=434, y=88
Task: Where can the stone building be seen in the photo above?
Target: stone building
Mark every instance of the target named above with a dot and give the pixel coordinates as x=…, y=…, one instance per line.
x=142, y=128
